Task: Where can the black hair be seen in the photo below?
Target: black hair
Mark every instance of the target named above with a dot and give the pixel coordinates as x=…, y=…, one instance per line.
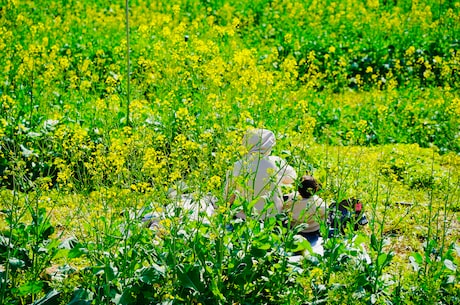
x=308, y=186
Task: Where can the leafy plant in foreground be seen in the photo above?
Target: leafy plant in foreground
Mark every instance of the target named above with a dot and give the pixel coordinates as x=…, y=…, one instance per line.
x=26, y=250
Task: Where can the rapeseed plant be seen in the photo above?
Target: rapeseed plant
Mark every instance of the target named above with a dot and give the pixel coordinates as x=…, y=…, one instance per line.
x=362, y=94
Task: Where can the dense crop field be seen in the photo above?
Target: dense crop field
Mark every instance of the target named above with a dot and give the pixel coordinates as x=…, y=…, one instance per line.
x=107, y=108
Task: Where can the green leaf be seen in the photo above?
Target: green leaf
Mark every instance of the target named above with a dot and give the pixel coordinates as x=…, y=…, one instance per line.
x=77, y=251
x=415, y=265
x=16, y=263
x=374, y=243
x=263, y=246
x=252, y=204
x=31, y=287
x=301, y=244
x=61, y=253
x=151, y=274
x=360, y=239
x=51, y=298
x=127, y=297
x=216, y=292
x=190, y=277
x=384, y=259
x=417, y=257
x=110, y=271
x=81, y=297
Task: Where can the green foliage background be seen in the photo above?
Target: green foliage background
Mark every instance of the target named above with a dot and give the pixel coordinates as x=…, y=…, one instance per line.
x=364, y=94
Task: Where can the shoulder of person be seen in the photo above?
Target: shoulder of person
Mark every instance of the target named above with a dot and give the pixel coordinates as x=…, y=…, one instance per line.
x=277, y=160
x=318, y=200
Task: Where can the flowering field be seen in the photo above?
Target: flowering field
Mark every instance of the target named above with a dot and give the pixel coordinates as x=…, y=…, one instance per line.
x=364, y=95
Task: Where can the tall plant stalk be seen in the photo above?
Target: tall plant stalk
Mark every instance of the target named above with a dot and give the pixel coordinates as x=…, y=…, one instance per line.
x=429, y=234
x=128, y=63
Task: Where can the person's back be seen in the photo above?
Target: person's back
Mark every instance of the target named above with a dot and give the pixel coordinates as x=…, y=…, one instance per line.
x=307, y=210
x=261, y=181
x=310, y=207
x=258, y=176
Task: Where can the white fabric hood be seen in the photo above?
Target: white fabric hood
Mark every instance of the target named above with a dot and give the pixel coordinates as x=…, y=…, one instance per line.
x=259, y=141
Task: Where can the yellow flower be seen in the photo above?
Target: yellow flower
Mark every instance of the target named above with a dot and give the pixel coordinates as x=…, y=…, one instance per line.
x=410, y=51
x=362, y=125
x=214, y=182
x=175, y=175
x=176, y=9
x=288, y=37
x=85, y=85
x=316, y=272
x=373, y=3
x=181, y=113
x=271, y=171
x=64, y=63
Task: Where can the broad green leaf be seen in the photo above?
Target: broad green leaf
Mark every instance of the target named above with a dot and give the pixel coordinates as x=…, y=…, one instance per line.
x=415, y=265
x=190, y=277
x=77, y=251
x=301, y=244
x=263, y=245
x=383, y=259
x=16, y=263
x=61, y=253
x=51, y=298
x=417, y=257
x=216, y=292
x=110, y=272
x=81, y=297
x=360, y=239
x=252, y=204
x=149, y=275
x=31, y=287
x=126, y=298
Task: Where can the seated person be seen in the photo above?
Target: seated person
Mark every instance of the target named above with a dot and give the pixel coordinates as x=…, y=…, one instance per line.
x=308, y=209
x=259, y=176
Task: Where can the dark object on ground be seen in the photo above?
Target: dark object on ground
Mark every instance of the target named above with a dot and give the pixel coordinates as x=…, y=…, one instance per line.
x=348, y=213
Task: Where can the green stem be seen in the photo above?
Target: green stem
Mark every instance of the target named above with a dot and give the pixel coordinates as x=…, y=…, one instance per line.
x=445, y=216
x=31, y=97
x=428, y=247
x=128, y=64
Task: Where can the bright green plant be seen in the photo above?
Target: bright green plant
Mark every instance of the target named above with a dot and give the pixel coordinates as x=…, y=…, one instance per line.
x=99, y=122
x=27, y=249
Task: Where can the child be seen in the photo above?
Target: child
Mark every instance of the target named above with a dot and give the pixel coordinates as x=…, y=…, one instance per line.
x=308, y=209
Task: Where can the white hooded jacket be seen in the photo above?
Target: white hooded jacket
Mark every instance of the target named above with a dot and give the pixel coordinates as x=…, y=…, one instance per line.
x=259, y=176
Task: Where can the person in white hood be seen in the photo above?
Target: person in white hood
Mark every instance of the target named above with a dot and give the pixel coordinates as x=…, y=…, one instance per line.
x=258, y=176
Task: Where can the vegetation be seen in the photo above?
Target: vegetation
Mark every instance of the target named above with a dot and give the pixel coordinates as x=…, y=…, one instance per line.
x=361, y=94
